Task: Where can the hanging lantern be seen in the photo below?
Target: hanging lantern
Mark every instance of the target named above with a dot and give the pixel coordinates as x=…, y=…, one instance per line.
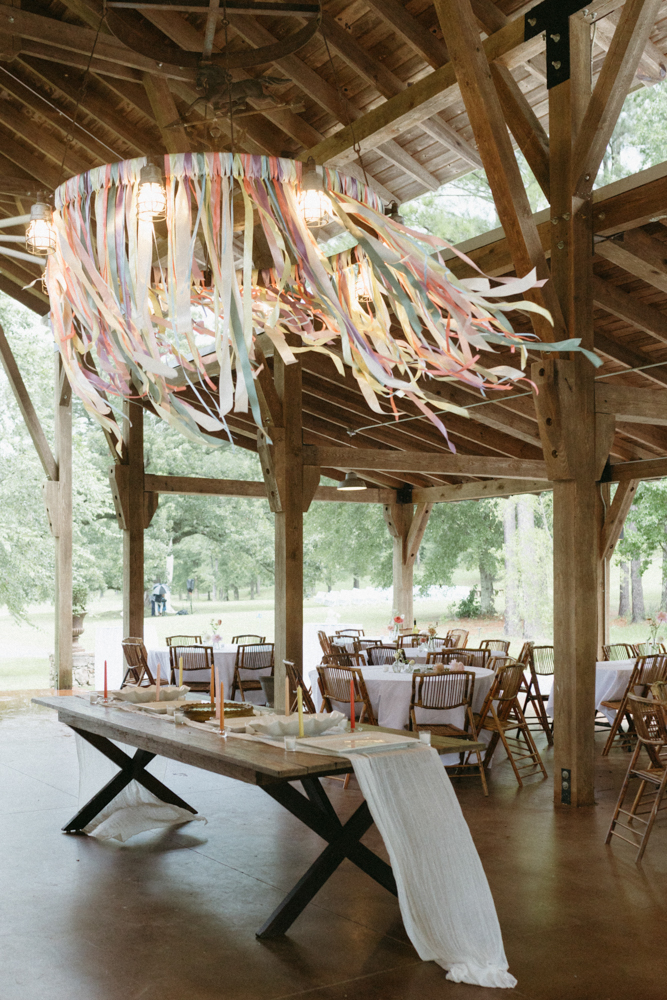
x=40, y=235
x=351, y=482
x=314, y=203
x=151, y=200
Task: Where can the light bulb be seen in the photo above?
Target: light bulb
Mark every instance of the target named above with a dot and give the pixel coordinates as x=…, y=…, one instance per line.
x=151, y=200
x=40, y=235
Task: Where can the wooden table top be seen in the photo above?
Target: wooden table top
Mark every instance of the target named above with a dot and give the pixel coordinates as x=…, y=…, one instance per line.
x=253, y=763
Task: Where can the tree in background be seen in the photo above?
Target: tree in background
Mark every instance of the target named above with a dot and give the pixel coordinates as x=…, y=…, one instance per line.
x=528, y=552
x=348, y=540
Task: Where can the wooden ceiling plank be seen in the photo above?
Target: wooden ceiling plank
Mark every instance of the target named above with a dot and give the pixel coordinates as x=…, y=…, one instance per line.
x=653, y=468
x=407, y=27
x=428, y=462
x=630, y=357
x=43, y=140
x=38, y=168
x=613, y=84
x=615, y=251
x=652, y=62
x=631, y=404
x=631, y=310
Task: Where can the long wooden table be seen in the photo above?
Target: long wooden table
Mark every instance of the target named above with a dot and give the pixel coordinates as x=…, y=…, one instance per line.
x=271, y=768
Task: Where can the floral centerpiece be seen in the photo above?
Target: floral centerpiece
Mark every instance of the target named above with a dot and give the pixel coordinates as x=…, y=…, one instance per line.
x=215, y=636
x=654, y=626
x=395, y=625
x=430, y=643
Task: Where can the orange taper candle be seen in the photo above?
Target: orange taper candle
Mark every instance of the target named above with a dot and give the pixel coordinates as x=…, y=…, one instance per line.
x=352, y=704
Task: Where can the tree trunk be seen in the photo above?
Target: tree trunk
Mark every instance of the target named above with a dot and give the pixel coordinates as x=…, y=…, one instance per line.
x=486, y=592
x=530, y=577
x=624, y=593
x=257, y=583
x=512, y=623
x=235, y=591
x=355, y=582
x=252, y=589
x=638, y=613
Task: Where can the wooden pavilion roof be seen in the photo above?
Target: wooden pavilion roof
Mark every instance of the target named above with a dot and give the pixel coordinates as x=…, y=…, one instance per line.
x=377, y=79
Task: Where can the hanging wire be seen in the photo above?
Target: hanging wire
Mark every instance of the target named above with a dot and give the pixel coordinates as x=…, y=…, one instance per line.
x=344, y=101
x=501, y=399
x=82, y=92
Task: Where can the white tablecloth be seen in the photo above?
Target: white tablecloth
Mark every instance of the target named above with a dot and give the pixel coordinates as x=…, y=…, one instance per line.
x=390, y=697
x=611, y=680
x=225, y=661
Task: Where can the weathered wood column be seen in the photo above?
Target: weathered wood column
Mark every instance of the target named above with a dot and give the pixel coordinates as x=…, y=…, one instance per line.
x=135, y=518
x=63, y=537
x=406, y=525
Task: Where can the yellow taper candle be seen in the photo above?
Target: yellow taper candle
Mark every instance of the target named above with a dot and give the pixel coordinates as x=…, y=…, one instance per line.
x=287, y=699
x=299, y=701
x=180, y=671
x=222, y=707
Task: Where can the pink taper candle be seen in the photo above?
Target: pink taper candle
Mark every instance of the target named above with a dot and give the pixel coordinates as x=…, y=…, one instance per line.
x=352, y=704
x=106, y=687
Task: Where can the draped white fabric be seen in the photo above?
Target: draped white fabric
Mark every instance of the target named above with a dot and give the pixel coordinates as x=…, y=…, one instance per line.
x=445, y=900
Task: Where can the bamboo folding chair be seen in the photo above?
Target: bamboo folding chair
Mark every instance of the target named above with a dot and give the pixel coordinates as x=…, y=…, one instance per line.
x=540, y=662
x=183, y=640
x=475, y=657
x=444, y=692
x=439, y=641
x=296, y=681
x=251, y=659
x=351, y=633
x=650, y=724
x=194, y=658
x=619, y=651
x=335, y=687
x=248, y=640
x=458, y=637
x=379, y=655
x=362, y=644
x=343, y=659
x=325, y=642
x=647, y=648
x=646, y=671
x=501, y=715
x=136, y=659
x=408, y=640
x=495, y=645
x=446, y=656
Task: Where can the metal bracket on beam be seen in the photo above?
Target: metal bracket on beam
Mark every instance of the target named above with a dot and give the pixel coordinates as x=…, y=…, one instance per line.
x=404, y=494
x=551, y=18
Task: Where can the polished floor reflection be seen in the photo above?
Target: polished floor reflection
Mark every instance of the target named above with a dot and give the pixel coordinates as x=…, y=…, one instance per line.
x=172, y=916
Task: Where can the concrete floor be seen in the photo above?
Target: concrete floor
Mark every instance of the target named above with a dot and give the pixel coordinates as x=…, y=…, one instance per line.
x=172, y=916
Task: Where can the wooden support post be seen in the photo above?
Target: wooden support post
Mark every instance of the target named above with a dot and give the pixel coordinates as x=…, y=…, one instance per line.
x=287, y=475
x=133, y=533
x=407, y=525
x=62, y=503
x=604, y=500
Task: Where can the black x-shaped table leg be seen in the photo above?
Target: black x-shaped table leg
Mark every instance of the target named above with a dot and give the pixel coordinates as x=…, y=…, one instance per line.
x=131, y=769
x=317, y=812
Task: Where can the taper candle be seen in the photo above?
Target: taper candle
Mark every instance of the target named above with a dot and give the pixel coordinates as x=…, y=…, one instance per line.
x=157, y=681
x=180, y=671
x=106, y=688
x=299, y=701
x=287, y=697
x=212, y=684
x=352, y=719
x=216, y=693
x=222, y=707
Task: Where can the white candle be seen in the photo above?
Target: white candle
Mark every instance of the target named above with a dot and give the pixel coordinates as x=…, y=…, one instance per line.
x=287, y=698
x=157, y=682
x=180, y=671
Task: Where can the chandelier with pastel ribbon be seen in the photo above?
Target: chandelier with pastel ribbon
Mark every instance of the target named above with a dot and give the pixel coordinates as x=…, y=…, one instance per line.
x=155, y=291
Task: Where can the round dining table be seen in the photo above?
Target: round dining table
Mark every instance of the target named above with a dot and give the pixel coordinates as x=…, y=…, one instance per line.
x=224, y=659
x=611, y=681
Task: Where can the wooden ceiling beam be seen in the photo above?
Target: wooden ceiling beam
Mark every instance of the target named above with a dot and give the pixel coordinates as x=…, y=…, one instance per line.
x=631, y=357
x=652, y=62
x=407, y=27
x=43, y=140
x=636, y=260
x=42, y=170
x=647, y=406
x=630, y=309
x=165, y=112
x=426, y=462
x=613, y=84
x=524, y=124
x=653, y=468
x=388, y=84
x=479, y=491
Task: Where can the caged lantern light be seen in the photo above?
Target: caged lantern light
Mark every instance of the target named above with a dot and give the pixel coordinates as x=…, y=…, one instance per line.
x=151, y=197
x=40, y=235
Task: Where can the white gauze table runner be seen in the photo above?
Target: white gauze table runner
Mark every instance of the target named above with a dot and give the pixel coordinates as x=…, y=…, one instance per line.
x=446, y=904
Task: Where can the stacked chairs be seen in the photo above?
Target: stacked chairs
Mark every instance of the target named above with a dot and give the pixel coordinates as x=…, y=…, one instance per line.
x=647, y=671
x=251, y=659
x=295, y=682
x=194, y=658
x=501, y=715
x=495, y=645
x=334, y=684
x=458, y=637
x=647, y=648
x=183, y=640
x=136, y=659
x=445, y=692
x=540, y=663
x=248, y=640
x=649, y=718
x=619, y=651
x=379, y=655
